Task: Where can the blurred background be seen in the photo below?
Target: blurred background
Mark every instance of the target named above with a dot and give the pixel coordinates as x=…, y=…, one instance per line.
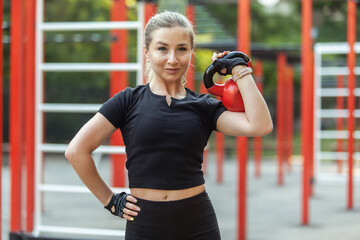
x=275, y=35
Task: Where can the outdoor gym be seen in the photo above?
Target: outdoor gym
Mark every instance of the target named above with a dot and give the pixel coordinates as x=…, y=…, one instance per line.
x=61, y=60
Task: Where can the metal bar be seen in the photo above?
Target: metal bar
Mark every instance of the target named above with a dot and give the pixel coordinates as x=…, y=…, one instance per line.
x=140, y=42
x=340, y=121
x=243, y=44
x=16, y=123
x=118, y=82
x=81, y=231
x=30, y=111
x=289, y=114
x=338, y=177
x=190, y=76
x=306, y=81
x=332, y=92
x=334, y=113
x=39, y=52
x=59, y=148
x=70, y=108
x=351, y=60
x=72, y=188
x=89, y=67
x=335, y=71
x=335, y=48
x=317, y=105
x=88, y=26
x=280, y=118
x=330, y=134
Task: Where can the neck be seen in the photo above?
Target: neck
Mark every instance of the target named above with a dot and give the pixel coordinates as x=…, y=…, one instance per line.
x=169, y=89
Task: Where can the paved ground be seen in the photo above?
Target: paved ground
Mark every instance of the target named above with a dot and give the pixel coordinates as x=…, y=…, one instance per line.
x=273, y=212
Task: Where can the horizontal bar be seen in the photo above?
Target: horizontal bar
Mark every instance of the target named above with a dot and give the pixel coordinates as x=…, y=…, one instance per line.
x=334, y=177
x=332, y=92
x=72, y=188
x=73, y=108
x=336, y=71
x=329, y=134
x=59, y=148
x=327, y=155
x=81, y=231
x=332, y=155
x=89, y=67
x=335, y=48
x=335, y=113
x=88, y=26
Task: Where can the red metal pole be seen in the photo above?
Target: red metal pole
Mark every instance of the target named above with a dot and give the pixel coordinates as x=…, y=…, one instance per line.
x=280, y=123
x=16, y=114
x=190, y=76
x=243, y=44
x=306, y=101
x=258, y=73
x=30, y=111
x=150, y=10
x=351, y=58
x=340, y=121
x=118, y=82
x=289, y=114
x=1, y=110
x=219, y=142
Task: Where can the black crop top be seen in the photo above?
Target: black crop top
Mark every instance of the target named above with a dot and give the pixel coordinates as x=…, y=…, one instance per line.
x=164, y=144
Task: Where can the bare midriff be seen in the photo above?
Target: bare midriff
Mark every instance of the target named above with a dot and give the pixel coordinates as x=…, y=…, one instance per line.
x=166, y=195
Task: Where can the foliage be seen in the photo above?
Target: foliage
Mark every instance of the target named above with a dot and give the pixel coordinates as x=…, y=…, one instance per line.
x=271, y=27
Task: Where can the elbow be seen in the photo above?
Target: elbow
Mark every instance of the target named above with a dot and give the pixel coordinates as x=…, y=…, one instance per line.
x=269, y=128
x=70, y=154
x=262, y=130
x=265, y=129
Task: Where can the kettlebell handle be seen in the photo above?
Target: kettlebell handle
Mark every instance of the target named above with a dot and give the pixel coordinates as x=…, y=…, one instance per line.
x=210, y=71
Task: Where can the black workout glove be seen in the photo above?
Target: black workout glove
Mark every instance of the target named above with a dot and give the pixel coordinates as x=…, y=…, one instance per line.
x=229, y=64
x=118, y=201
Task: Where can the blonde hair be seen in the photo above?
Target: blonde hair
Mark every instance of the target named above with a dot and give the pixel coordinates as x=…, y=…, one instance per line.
x=166, y=19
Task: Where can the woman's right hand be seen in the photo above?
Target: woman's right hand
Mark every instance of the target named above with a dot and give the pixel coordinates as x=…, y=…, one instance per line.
x=131, y=210
x=122, y=205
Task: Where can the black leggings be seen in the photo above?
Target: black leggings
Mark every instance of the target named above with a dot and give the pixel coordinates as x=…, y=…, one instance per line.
x=187, y=219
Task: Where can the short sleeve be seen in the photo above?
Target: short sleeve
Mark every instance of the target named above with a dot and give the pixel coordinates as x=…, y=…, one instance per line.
x=217, y=109
x=115, y=108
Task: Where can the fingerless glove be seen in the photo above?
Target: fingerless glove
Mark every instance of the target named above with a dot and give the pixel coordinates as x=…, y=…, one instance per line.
x=118, y=201
x=229, y=64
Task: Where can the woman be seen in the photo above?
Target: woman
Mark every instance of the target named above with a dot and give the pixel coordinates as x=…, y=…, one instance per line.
x=165, y=127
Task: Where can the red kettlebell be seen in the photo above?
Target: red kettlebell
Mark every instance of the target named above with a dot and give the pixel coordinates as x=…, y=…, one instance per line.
x=229, y=91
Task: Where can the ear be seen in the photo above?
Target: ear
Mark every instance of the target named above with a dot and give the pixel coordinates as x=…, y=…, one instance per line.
x=146, y=53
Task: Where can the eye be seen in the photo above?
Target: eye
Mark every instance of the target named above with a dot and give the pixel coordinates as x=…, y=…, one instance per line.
x=183, y=49
x=162, y=48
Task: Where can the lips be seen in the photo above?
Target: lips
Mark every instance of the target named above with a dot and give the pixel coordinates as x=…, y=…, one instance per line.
x=172, y=70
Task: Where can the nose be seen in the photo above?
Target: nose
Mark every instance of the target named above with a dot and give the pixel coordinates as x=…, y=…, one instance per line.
x=172, y=59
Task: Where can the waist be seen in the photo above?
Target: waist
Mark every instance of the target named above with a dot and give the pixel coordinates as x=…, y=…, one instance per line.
x=166, y=195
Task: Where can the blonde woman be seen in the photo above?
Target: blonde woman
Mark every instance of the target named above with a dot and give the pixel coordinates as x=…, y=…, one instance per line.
x=165, y=127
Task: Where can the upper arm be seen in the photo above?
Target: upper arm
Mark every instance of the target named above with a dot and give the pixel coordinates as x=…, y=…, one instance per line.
x=91, y=135
x=238, y=124
x=233, y=124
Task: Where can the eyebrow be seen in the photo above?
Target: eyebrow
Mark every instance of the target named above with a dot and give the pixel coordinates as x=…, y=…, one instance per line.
x=162, y=43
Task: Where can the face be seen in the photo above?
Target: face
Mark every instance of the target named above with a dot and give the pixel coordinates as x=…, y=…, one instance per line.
x=169, y=53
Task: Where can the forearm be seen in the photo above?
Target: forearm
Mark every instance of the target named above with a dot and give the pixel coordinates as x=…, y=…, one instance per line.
x=85, y=168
